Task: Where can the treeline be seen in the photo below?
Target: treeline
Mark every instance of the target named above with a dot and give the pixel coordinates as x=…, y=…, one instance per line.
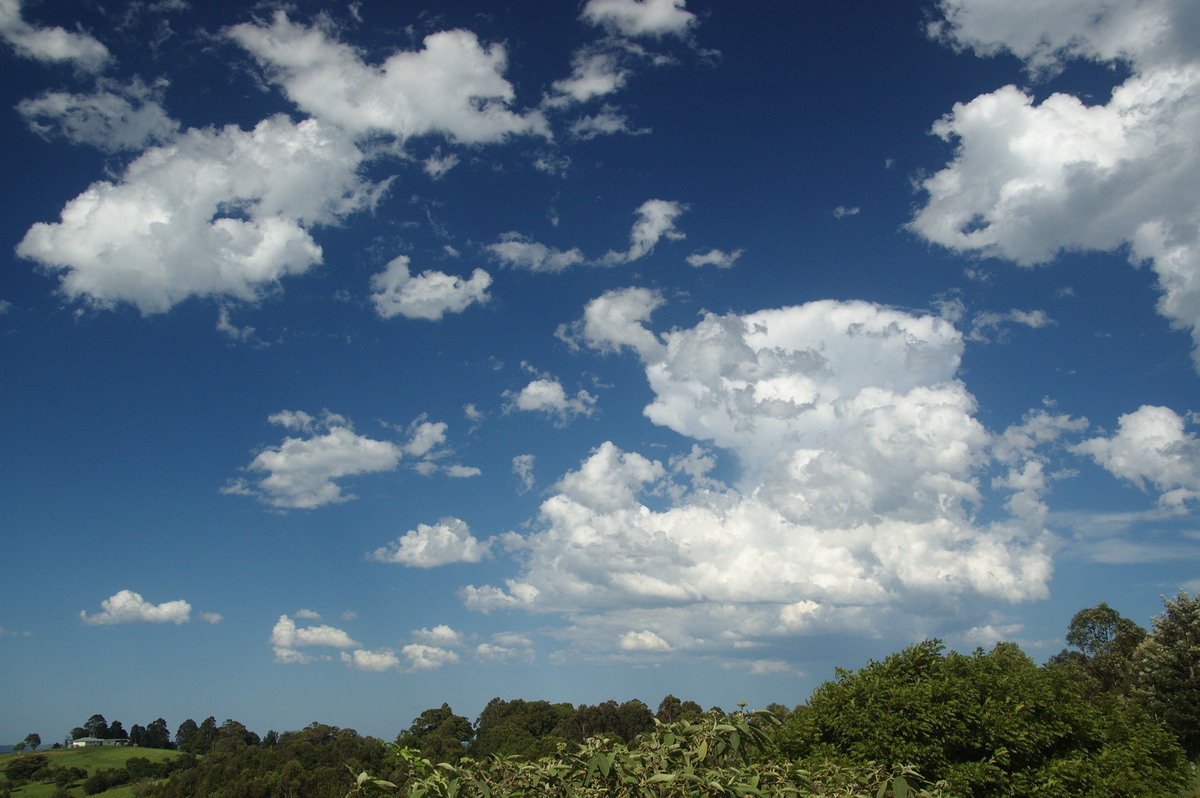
x=1117, y=713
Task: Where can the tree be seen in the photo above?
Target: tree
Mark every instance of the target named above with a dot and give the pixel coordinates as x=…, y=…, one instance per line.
x=206, y=735
x=116, y=731
x=137, y=734
x=1167, y=668
x=157, y=735
x=186, y=736
x=96, y=726
x=33, y=740
x=992, y=725
x=1109, y=641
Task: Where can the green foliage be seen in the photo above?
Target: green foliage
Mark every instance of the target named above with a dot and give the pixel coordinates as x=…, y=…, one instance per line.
x=711, y=756
x=1108, y=642
x=989, y=724
x=24, y=766
x=1167, y=669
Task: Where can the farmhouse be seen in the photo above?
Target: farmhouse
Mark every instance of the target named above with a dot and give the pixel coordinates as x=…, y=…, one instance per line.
x=88, y=742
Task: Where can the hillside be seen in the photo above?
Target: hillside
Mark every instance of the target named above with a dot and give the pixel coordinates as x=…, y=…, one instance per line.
x=89, y=760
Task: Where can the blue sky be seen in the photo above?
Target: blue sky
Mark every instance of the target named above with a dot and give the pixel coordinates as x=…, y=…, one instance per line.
x=363, y=357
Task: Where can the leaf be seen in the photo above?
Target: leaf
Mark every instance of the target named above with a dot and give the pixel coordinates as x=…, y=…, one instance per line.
x=900, y=787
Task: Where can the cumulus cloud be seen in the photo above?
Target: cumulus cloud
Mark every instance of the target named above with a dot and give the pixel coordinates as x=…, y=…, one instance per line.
x=714, y=257
x=548, y=397
x=126, y=606
x=1029, y=180
x=430, y=295
x=860, y=475
x=518, y=251
x=427, y=658
x=126, y=120
x=49, y=44
x=595, y=72
x=448, y=541
x=635, y=18
x=301, y=472
x=218, y=212
x=453, y=86
x=1151, y=445
x=287, y=639
x=379, y=661
x=441, y=635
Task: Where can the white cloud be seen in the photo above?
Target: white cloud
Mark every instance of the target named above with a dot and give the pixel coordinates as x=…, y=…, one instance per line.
x=424, y=437
x=436, y=166
x=49, y=44
x=462, y=471
x=607, y=122
x=715, y=257
x=1028, y=181
x=453, y=86
x=212, y=617
x=990, y=326
x=517, y=251
x=379, y=661
x=106, y=120
x=126, y=606
x=656, y=220
x=641, y=17
x=595, y=73
x=441, y=635
x=430, y=295
x=860, y=471
x=301, y=471
x=522, y=466
x=308, y=615
x=286, y=634
x=548, y=397
x=448, y=541
x=216, y=213
x=841, y=211
x=426, y=658
x=1151, y=445
x=644, y=640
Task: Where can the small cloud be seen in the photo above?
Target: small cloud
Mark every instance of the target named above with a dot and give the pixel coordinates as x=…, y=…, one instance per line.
x=437, y=166
x=644, y=640
x=633, y=18
x=441, y=635
x=211, y=617
x=378, y=661
x=426, y=658
x=49, y=44
x=842, y=211
x=519, y=252
x=462, y=471
x=715, y=257
x=127, y=606
x=547, y=396
x=430, y=295
x=522, y=466
x=448, y=541
x=989, y=326
x=308, y=615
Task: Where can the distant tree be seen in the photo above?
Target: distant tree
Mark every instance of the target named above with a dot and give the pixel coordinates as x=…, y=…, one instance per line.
x=1167, y=668
x=438, y=734
x=186, y=736
x=669, y=709
x=116, y=731
x=96, y=726
x=1108, y=640
x=206, y=735
x=24, y=766
x=77, y=732
x=157, y=735
x=33, y=740
x=137, y=734
x=19, y=747
x=271, y=739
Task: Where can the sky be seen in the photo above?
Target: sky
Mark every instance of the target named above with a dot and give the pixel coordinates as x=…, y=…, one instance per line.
x=366, y=356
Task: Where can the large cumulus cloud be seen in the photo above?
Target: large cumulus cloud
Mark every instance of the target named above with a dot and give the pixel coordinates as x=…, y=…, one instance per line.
x=1031, y=179
x=861, y=473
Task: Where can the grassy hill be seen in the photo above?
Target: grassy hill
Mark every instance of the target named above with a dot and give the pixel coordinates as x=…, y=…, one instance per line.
x=90, y=759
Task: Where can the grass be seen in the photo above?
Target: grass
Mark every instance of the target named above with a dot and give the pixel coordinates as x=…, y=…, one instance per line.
x=91, y=759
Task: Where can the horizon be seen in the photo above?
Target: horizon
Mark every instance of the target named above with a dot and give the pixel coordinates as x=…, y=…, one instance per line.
x=369, y=357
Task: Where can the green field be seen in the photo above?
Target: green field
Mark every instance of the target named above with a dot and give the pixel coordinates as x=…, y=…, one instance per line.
x=91, y=759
